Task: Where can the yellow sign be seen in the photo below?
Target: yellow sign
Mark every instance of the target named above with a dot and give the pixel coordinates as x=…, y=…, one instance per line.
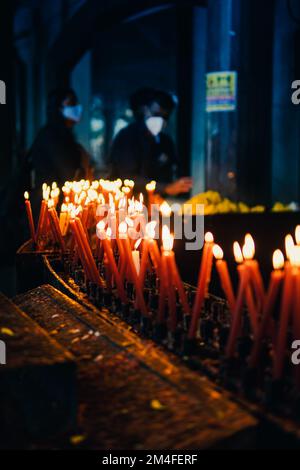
x=221, y=91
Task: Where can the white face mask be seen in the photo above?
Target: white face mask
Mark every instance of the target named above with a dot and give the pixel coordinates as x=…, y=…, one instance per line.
x=72, y=112
x=155, y=124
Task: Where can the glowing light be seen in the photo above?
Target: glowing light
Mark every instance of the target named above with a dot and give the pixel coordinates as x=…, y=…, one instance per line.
x=278, y=259
x=218, y=252
x=101, y=225
x=150, y=229
x=238, y=255
x=289, y=245
x=129, y=222
x=26, y=195
x=151, y=186
x=295, y=256
x=208, y=237
x=123, y=228
x=249, y=242
x=167, y=238
x=297, y=234
x=137, y=243
x=165, y=209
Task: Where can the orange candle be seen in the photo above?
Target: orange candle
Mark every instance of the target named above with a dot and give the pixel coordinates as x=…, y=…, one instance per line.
x=105, y=239
x=172, y=311
x=144, y=262
x=87, y=249
x=80, y=249
x=224, y=276
x=174, y=279
x=29, y=216
x=163, y=294
x=203, y=282
x=133, y=274
x=287, y=300
x=237, y=311
x=254, y=271
x=42, y=220
x=55, y=225
x=277, y=276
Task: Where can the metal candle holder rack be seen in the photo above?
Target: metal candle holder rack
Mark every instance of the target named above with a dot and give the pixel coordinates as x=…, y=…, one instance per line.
x=206, y=352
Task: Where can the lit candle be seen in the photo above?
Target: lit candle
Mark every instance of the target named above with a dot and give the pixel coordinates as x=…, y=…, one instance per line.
x=105, y=239
x=29, y=216
x=80, y=248
x=163, y=292
x=133, y=274
x=167, y=253
x=287, y=302
x=223, y=272
x=136, y=256
x=150, y=188
x=87, y=249
x=203, y=282
x=276, y=278
x=174, y=276
x=255, y=275
x=64, y=219
x=54, y=221
x=238, y=307
x=43, y=216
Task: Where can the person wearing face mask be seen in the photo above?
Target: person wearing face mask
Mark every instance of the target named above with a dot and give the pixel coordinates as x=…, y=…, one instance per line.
x=143, y=151
x=55, y=154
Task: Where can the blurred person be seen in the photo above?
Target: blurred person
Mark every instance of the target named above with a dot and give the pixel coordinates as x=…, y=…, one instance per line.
x=55, y=154
x=143, y=151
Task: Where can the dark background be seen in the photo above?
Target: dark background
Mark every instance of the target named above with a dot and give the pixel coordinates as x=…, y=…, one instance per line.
x=106, y=49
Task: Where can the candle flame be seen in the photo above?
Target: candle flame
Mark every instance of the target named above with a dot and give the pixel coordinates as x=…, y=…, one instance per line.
x=297, y=234
x=108, y=232
x=50, y=203
x=218, y=252
x=250, y=242
x=123, y=228
x=167, y=238
x=151, y=186
x=238, y=255
x=26, y=195
x=129, y=222
x=101, y=225
x=208, y=237
x=278, y=259
x=165, y=209
x=249, y=247
x=137, y=243
x=289, y=245
x=125, y=190
x=295, y=256
x=64, y=208
x=248, y=252
x=150, y=229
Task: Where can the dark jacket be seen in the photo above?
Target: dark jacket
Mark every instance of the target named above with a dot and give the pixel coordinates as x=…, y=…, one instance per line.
x=55, y=155
x=138, y=155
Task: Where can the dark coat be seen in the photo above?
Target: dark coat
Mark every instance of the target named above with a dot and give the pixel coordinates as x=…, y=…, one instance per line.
x=138, y=155
x=55, y=155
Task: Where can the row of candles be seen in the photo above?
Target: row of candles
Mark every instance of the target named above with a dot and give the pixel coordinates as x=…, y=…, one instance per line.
x=129, y=260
